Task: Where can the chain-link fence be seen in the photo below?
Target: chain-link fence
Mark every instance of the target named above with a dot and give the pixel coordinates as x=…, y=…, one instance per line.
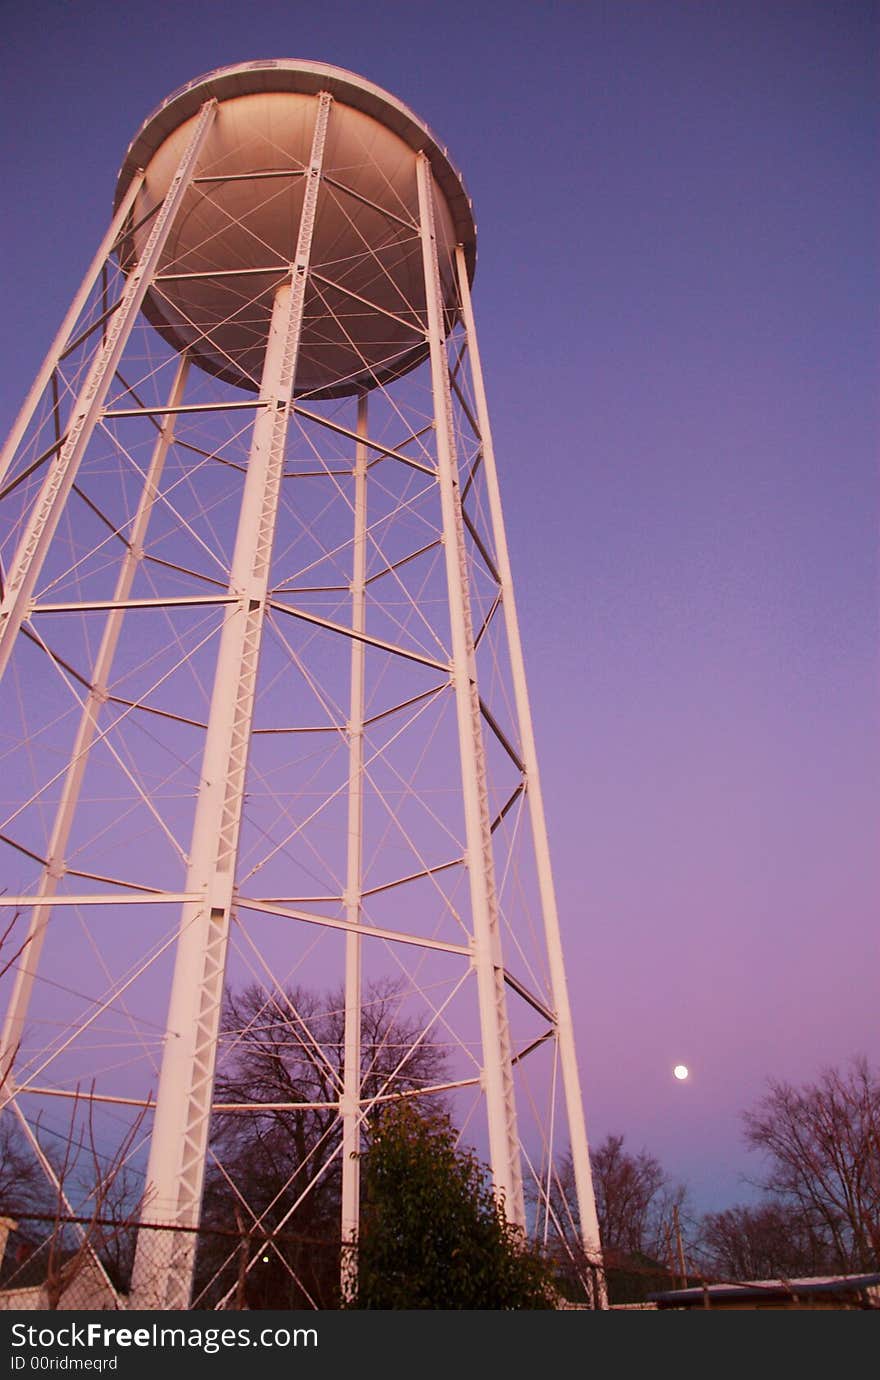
x=99, y=1263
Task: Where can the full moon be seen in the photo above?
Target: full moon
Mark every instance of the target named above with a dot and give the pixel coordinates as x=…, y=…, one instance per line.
x=681, y=1071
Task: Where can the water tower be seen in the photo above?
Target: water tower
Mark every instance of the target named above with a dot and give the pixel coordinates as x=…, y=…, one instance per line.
x=270, y=773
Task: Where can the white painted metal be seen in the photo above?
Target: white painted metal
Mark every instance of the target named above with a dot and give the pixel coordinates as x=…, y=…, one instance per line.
x=350, y=1105
x=278, y=106
x=65, y=330
x=565, y=1033
x=88, y=729
x=98, y=898
x=328, y=922
x=175, y=1173
x=46, y=514
x=433, y=900
x=488, y=960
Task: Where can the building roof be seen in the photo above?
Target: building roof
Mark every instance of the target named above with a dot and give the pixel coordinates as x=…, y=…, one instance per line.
x=864, y=1286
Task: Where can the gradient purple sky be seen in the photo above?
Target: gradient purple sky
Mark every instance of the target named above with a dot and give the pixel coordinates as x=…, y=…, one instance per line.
x=677, y=294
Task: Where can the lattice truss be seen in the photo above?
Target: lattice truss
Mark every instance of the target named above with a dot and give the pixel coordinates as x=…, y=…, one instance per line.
x=105, y=705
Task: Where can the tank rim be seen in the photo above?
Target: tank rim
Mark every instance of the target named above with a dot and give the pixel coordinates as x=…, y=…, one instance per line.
x=307, y=78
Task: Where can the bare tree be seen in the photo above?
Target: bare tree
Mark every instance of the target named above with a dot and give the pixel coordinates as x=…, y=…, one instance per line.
x=7, y=958
x=75, y=1205
x=821, y=1144
x=638, y=1209
x=24, y=1188
x=635, y=1201
x=768, y=1241
x=277, y=1174
x=100, y=1234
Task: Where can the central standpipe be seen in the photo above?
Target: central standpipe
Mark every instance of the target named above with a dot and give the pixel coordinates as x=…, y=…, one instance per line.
x=164, y=1261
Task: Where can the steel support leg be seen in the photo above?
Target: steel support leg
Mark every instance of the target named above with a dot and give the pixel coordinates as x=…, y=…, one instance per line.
x=175, y=1174
x=497, y=1066
x=351, y=1093
x=559, y=986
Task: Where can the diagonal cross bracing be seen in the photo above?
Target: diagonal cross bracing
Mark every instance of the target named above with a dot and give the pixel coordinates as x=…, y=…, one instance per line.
x=46, y=514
